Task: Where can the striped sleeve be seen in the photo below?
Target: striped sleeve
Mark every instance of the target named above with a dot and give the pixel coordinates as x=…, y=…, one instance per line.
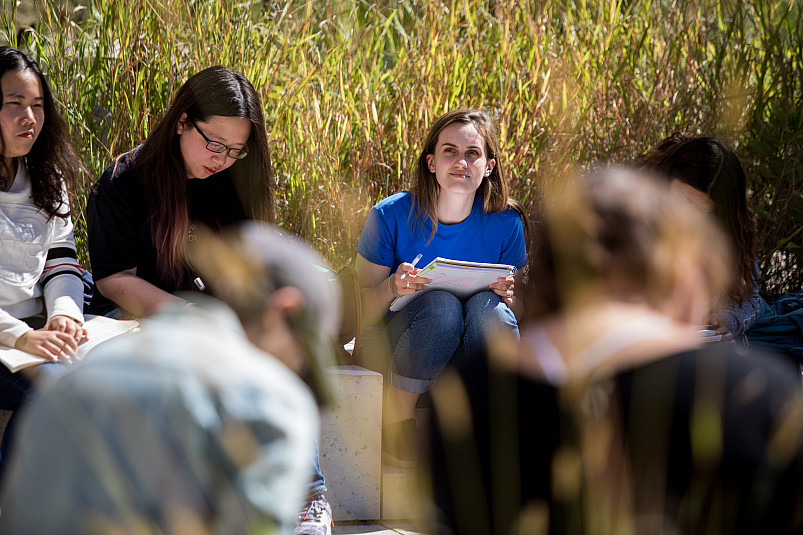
x=61, y=279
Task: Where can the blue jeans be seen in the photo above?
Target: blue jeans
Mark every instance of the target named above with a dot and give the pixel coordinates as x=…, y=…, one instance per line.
x=436, y=329
x=318, y=483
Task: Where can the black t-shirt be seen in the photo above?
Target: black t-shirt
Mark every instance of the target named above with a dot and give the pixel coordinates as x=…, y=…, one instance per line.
x=713, y=441
x=119, y=229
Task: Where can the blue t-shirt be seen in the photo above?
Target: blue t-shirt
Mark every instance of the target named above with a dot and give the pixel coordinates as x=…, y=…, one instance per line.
x=390, y=237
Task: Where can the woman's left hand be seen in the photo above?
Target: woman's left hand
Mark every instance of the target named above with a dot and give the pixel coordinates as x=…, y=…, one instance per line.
x=715, y=324
x=69, y=326
x=503, y=287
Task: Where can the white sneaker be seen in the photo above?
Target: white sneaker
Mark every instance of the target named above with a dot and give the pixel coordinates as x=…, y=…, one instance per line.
x=315, y=518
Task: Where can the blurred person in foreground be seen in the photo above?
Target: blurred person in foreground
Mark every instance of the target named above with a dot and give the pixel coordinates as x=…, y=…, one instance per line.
x=199, y=423
x=611, y=416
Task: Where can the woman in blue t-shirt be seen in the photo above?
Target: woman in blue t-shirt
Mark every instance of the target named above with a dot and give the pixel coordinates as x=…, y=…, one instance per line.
x=459, y=209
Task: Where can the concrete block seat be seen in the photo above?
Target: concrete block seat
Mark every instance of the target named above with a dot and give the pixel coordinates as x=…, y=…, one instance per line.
x=350, y=445
x=360, y=486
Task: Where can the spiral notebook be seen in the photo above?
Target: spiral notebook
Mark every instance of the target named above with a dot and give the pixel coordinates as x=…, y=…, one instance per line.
x=461, y=278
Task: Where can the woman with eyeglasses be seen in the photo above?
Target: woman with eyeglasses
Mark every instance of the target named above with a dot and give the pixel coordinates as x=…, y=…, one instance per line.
x=206, y=163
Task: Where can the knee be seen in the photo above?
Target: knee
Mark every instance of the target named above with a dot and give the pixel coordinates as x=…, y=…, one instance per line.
x=487, y=308
x=442, y=311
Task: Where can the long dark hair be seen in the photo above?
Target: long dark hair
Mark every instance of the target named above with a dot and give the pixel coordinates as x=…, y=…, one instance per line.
x=493, y=189
x=710, y=166
x=52, y=160
x=213, y=91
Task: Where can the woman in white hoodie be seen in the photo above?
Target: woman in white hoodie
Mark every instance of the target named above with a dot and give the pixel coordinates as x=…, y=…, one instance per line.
x=41, y=292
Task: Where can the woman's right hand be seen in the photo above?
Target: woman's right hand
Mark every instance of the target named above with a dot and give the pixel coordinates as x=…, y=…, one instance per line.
x=378, y=287
x=410, y=284
x=68, y=325
x=52, y=345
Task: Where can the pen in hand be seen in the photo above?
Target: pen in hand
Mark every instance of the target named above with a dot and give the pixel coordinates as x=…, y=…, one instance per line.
x=414, y=262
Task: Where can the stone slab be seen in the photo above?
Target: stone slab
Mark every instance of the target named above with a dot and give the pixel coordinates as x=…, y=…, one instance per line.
x=350, y=444
x=401, y=493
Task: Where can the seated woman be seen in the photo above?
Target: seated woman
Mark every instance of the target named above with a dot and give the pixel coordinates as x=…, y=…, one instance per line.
x=41, y=292
x=205, y=163
x=610, y=417
x=710, y=175
x=458, y=209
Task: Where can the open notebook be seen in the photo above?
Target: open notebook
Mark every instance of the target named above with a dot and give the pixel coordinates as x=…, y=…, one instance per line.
x=100, y=329
x=463, y=279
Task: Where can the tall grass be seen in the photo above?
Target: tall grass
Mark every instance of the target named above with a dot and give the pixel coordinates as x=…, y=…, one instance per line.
x=350, y=88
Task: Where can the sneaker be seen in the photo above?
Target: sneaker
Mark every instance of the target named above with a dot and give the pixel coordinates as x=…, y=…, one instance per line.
x=398, y=444
x=315, y=518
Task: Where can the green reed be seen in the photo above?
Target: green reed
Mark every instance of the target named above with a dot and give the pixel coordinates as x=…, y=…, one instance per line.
x=350, y=87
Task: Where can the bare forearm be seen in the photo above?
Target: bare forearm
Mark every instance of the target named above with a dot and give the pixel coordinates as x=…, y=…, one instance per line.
x=379, y=287
x=375, y=301
x=134, y=294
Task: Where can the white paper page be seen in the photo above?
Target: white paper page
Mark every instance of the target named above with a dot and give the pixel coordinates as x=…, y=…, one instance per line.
x=463, y=279
x=100, y=329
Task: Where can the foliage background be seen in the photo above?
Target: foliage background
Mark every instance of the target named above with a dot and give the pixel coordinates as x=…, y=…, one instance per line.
x=349, y=88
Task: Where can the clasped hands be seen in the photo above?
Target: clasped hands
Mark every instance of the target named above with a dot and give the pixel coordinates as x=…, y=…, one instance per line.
x=58, y=340
x=410, y=284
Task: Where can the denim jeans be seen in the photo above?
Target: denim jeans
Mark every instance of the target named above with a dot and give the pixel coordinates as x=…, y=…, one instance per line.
x=436, y=329
x=318, y=483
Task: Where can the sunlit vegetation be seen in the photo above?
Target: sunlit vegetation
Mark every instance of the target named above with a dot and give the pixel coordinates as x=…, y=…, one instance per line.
x=350, y=87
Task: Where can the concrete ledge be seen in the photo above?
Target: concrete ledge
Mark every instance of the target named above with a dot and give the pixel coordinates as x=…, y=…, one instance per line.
x=401, y=493
x=404, y=489
x=350, y=444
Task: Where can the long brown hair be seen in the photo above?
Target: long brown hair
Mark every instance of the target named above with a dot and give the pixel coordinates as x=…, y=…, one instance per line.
x=214, y=91
x=52, y=160
x=710, y=166
x=493, y=189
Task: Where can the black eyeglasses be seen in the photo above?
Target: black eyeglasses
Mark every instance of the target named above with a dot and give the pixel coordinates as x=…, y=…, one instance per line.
x=218, y=147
